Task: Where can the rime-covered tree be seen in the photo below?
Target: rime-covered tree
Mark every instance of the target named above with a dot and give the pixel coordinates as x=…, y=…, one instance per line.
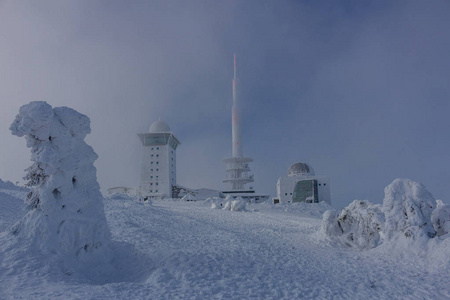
x=66, y=216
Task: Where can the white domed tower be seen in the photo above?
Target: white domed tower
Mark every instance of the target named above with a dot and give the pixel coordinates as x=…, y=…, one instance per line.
x=158, y=161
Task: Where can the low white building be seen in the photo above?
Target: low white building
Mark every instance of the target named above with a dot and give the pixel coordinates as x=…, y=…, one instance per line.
x=158, y=161
x=122, y=190
x=302, y=185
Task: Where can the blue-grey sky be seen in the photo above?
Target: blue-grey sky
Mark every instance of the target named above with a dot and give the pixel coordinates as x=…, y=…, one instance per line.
x=360, y=90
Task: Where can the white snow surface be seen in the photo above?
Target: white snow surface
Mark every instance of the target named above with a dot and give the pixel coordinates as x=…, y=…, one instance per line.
x=185, y=250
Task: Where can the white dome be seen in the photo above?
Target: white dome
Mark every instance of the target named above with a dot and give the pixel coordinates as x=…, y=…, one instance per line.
x=300, y=169
x=159, y=126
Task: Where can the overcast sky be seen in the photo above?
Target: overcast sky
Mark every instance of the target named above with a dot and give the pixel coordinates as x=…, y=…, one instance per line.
x=358, y=89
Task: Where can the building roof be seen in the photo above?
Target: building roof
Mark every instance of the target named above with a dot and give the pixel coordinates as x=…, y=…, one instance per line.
x=159, y=127
x=300, y=169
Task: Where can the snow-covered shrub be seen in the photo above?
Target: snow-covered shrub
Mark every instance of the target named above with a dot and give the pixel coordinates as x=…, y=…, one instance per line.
x=408, y=211
x=407, y=207
x=441, y=218
x=216, y=202
x=66, y=216
x=237, y=204
x=357, y=225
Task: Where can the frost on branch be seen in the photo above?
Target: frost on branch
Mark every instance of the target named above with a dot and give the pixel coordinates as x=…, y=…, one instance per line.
x=358, y=225
x=441, y=218
x=66, y=215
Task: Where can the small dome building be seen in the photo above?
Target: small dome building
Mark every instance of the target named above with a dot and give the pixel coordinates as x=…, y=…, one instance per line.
x=302, y=185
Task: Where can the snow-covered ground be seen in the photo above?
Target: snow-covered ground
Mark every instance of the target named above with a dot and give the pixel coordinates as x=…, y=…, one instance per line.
x=187, y=250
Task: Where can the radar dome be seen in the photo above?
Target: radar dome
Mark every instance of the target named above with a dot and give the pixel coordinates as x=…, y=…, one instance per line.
x=300, y=169
x=159, y=126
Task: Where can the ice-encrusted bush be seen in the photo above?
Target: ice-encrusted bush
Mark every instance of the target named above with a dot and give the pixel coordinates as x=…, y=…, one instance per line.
x=407, y=206
x=358, y=225
x=66, y=216
x=441, y=218
x=237, y=204
x=216, y=202
x=408, y=211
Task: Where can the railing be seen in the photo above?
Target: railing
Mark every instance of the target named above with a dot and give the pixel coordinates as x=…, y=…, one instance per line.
x=242, y=178
x=237, y=166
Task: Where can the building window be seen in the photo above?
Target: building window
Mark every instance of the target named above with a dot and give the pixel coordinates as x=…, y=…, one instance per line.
x=157, y=162
x=156, y=191
x=157, y=155
x=151, y=163
x=157, y=148
x=152, y=148
x=156, y=183
x=151, y=170
x=152, y=155
x=151, y=176
x=157, y=176
x=324, y=184
x=157, y=170
x=285, y=194
x=151, y=183
x=151, y=191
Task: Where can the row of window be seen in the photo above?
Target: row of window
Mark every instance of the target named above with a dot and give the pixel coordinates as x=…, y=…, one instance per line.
x=157, y=148
x=151, y=191
x=156, y=163
x=151, y=183
x=151, y=170
x=157, y=155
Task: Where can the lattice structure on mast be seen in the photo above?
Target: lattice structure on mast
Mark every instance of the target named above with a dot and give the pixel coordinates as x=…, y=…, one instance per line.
x=237, y=172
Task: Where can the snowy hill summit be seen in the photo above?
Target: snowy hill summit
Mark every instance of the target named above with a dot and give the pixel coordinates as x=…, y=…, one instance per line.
x=71, y=243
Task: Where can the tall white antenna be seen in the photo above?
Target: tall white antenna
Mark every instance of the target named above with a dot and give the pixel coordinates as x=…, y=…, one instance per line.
x=237, y=165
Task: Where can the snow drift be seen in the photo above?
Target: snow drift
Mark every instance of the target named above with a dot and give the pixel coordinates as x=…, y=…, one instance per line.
x=408, y=212
x=66, y=217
